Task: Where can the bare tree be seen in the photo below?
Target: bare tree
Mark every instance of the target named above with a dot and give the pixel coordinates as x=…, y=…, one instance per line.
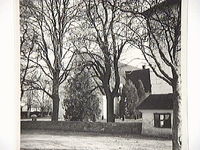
x=102, y=45
x=158, y=37
x=27, y=47
x=41, y=100
x=51, y=21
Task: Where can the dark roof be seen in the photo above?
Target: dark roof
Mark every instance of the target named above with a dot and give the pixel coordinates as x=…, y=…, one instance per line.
x=160, y=6
x=143, y=75
x=157, y=101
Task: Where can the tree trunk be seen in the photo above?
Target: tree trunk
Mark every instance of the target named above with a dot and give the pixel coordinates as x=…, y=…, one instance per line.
x=55, y=108
x=176, y=130
x=55, y=97
x=110, y=108
x=42, y=112
x=28, y=111
x=21, y=94
x=122, y=107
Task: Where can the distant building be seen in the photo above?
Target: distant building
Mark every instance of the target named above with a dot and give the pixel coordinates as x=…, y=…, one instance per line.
x=140, y=75
x=28, y=110
x=122, y=73
x=141, y=86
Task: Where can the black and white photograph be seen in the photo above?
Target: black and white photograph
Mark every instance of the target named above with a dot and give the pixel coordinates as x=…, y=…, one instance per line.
x=101, y=75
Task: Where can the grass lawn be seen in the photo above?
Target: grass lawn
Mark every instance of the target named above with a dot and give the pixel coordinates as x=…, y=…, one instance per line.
x=46, y=140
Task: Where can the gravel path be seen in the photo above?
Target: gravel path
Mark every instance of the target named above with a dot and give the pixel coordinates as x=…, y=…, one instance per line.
x=46, y=140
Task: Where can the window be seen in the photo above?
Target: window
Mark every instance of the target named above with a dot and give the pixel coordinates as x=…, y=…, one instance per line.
x=162, y=120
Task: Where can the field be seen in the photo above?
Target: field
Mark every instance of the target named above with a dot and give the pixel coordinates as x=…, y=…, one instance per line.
x=46, y=140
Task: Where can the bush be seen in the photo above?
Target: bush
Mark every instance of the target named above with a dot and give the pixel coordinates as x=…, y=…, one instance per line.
x=81, y=102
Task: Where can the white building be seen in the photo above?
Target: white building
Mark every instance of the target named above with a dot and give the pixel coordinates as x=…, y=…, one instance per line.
x=157, y=115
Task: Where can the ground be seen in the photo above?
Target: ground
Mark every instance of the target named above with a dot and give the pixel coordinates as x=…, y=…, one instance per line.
x=37, y=139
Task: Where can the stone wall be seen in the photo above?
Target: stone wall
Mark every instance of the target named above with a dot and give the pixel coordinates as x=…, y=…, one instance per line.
x=76, y=126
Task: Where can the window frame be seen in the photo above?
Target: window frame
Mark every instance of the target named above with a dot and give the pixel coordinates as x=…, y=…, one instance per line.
x=166, y=124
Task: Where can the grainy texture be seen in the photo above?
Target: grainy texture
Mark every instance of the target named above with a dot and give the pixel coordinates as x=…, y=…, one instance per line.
x=37, y=139
x=97, y=127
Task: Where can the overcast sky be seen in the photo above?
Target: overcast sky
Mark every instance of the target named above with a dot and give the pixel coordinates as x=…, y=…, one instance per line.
x=133, y=57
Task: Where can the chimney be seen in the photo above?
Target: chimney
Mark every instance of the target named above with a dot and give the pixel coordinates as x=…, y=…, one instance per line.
x=143, y=66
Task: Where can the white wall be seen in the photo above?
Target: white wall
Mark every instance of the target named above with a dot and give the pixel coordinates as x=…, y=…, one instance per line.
x=61, y=110
x=148, y=123
x=116, y=105
x=103, y=106
x=104, y=110
x=159, y=86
